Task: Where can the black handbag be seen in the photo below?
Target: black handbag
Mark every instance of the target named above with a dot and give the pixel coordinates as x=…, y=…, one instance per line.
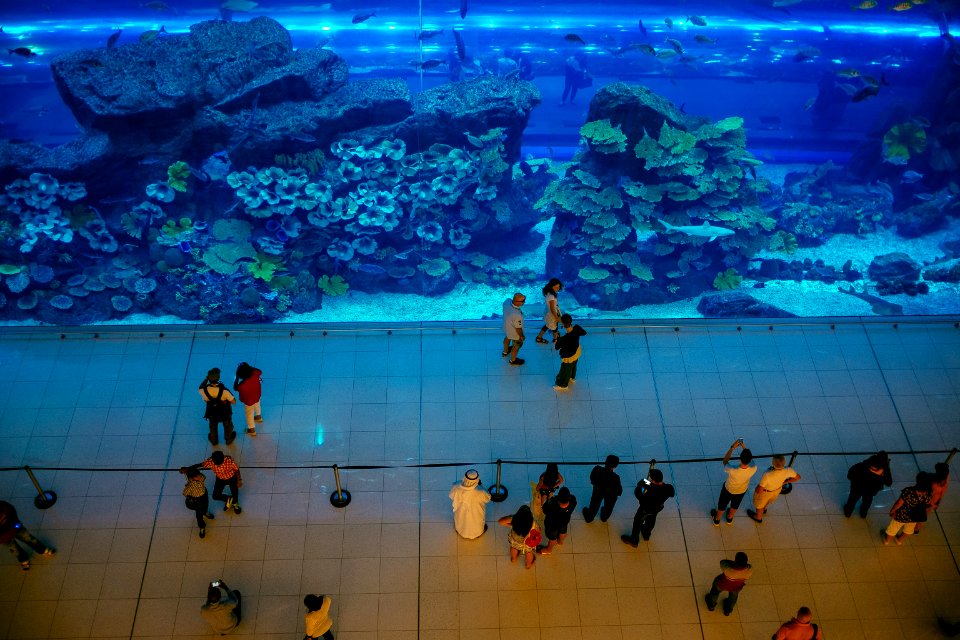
x=192, y=502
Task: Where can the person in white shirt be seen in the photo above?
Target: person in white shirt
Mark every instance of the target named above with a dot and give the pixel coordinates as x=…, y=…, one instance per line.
x=771, y=484
x=513, y=327
x=736, y=484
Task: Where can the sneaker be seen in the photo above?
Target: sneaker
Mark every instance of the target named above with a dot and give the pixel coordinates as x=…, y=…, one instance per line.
x=252, y=432
x=236, y=508
x=517, y=362
x=226, y=507
x=573, y=380
x=628, y=540
x=586, y=516
x=25, y=565
x=707, y=600
x=504, y=354
x=49, y=553
x=727, y=613
x=230, y=438
x=753, y=516
x=258, y=418
x=208, y=516
x=557, y=387
x=203, y=533
x=729, y=521
x=716, y=521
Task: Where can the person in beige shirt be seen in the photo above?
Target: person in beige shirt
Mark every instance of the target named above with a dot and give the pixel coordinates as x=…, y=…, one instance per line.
x=799, y=627
x=771, y=484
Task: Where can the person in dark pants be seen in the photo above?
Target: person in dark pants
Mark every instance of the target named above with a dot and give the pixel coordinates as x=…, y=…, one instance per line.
x=569, y=347
x=867, y=478
x=606, y=490
x=733, y=578
x=219, y=403
x=574, y=76
x=13, y=531
x=557, y=512
x=227, y=475
x=196, y=498
x=222, y=612
x=651, y=493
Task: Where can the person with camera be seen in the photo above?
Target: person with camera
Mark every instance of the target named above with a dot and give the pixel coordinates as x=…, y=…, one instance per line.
x=222, y=608
x=736, y=484
x=652, y=493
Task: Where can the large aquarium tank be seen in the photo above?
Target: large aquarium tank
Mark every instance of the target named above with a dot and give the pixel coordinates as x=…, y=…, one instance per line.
x=345, y=161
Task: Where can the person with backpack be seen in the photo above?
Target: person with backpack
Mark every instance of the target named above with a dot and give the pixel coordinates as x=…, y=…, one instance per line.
x=219, y=403
x=248, y=384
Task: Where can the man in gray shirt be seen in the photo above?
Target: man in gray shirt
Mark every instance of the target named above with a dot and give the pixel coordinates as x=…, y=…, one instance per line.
x=222, y=612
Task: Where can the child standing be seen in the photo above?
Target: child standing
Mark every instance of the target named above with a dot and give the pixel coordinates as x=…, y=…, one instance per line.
x=248, y=384
x=569, y=347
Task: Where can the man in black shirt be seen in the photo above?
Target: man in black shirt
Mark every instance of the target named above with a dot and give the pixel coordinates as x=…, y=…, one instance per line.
x=569, y=347
x=652, y=493
x=606, y=490
x=557, y=511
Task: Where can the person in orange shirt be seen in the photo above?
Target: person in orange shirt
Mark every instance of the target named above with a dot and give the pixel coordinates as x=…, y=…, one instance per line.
x=799, y=627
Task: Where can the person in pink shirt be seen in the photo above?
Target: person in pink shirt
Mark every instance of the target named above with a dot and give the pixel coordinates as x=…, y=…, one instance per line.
x=248, y=385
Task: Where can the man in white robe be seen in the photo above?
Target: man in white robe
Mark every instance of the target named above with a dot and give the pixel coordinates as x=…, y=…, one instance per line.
x=469, y=506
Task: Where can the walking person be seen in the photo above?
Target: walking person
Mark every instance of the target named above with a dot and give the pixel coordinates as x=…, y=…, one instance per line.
x=867, y=478
x=569, y=347
x=575, y=76
x=248, y=384
x=549, y=481
x=227, y=474
x=469, y=506
x=736, y=484
x=317, y=620
x=771, y=484
x=195, y=496
x=513, y=328
x=941, y=480
x=733, y=577
x=800, y=627
x=557, y=513
x=222, y=608
x=606, y=490
x=652, y=493
x=912, y=507
x=551, y=314
x=13, y=532
x=523, y=537
x=219, y=403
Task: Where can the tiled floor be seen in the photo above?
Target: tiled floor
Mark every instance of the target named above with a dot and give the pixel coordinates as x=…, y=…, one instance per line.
x=131, y=565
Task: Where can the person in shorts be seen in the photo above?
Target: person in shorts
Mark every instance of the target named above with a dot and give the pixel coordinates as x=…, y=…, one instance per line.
x=557, y=511
x=771, y=484
x=912, y=507
x=736, y=484
x=513, y=328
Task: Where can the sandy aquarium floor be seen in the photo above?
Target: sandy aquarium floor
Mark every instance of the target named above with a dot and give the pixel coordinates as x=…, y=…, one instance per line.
x=107, y=421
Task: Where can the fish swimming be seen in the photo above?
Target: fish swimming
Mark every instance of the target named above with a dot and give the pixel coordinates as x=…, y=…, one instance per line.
x=673, y=42
x=668, y=22
x=901, y=6
x=150, y=36
x=240, y=6
x=869, y=91
x=666, y=53
x=706, y=230
x=112, y=40
x=156, y=6
x=363, y=17
x=909, y=177
x=429, y=64
x=700, y=21
x=866, y=4
x=474, y=140
x=702, y=39
x=848, y=73
x=525, y=168
x=23, y=52
x=572, y=37
x=426, y=34
x=461, y=47
x=464, y=7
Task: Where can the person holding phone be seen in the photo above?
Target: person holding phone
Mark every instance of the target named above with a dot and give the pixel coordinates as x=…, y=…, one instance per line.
x=652, y=493
x=222, y=608
x=736, y=484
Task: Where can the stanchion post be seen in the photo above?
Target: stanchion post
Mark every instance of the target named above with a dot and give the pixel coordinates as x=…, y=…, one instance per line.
x=788, y=486
x=341, y=497
x=44, y=499
x=952, y=453
x=498, y=492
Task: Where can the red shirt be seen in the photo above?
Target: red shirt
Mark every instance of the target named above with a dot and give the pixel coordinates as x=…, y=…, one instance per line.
x=249, y=388
x=8, y=521
x=223, y=471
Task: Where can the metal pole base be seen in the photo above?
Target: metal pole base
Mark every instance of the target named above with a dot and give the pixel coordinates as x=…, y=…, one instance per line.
x=47, y=500
x=787, y=488
x=340, y=500
x=498, y=493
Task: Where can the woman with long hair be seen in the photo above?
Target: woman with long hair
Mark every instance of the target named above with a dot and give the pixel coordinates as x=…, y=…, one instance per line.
x=551, y=314
x=524, y=537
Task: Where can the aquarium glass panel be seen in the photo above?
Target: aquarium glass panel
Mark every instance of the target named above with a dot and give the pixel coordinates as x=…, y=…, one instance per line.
x=245, y=162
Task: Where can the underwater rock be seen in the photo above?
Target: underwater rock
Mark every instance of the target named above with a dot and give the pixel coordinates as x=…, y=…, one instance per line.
x=920, y=220
x=92, y=153
x=737, y=304
x=444, y=113
x=168, y=79
x=638, y=110
x=948, y=271
x=894, y=273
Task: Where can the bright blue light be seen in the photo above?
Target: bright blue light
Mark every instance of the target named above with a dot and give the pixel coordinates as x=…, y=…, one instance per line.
x=319, y=435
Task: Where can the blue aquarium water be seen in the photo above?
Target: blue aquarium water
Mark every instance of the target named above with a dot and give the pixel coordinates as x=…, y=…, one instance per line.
x=282, y=162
